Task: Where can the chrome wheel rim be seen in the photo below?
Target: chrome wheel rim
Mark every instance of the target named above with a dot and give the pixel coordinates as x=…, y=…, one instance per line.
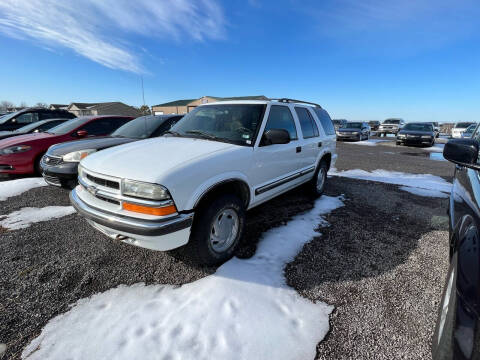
x=321, y=179
x=224, y=230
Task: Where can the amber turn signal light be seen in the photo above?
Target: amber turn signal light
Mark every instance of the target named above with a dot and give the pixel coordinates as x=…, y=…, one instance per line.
x=157, y=211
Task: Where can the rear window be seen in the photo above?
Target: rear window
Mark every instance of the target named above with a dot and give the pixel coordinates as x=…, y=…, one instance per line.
x=391, y=121
x=325, y=120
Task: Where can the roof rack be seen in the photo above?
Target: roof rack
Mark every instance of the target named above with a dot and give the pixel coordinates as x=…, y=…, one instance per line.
x=287, y=100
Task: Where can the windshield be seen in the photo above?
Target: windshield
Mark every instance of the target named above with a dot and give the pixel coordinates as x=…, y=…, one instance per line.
x=7, y=117
x=351, y=126
x=463, y=125
x=236, y=123
x=67, y=126
x=418, y=127
x=140, y=128
x=392, y=121
x=337, y=122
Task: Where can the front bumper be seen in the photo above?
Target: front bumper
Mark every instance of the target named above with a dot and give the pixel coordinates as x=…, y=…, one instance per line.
x=16, y=164
x=165, y=234
x=347, y=136
x=414, y=141
x=58, y=174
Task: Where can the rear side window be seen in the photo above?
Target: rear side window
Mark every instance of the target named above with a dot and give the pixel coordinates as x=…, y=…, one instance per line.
x=325, y=120
x=27, y=118
x=309, y=128
x=104, y=126
x=280, y=117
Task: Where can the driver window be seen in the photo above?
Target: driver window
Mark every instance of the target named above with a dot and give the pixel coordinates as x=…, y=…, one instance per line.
x=280, y=117
x=26, y=118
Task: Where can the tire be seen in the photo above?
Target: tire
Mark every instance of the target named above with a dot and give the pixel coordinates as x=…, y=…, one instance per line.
x=442, y=342
x=205, y=247
x=37, y=168
x=399, y=143
x=313, y=186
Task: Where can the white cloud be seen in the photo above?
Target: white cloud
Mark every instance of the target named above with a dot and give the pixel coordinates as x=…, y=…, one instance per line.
x=99, y=30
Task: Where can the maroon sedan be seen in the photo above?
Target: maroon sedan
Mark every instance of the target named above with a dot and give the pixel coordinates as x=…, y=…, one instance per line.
x=22, y=154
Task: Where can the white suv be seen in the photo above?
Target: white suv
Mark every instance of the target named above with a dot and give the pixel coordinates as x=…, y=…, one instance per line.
x=194, y=184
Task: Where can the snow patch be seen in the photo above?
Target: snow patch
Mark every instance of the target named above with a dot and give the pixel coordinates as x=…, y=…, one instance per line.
x=25, y=217
x=243, y=311
x=435, y=148
x=424, y=192
x=418, y=181
x=16, y=187
x=370, y=142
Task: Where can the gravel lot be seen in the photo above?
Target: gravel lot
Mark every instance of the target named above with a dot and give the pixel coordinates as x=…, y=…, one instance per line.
x=382, y=261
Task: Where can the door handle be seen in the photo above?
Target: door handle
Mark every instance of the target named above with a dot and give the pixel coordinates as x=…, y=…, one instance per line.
x=299, y=149
x=320, y=144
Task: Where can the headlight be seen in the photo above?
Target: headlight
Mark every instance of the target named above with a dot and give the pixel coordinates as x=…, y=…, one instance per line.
x=15, y=149
x=355, y=133
x=400, y=135
x=145, y=190
x=426, y=137
x=76, y=156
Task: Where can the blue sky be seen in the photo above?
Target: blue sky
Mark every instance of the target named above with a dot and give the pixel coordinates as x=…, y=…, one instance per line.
x=369, y=59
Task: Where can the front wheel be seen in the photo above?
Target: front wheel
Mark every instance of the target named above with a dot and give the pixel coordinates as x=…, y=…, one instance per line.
x=217, y=230
x=319, y=181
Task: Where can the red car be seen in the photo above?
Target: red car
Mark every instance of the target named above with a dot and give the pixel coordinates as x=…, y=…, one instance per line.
x=22, y=154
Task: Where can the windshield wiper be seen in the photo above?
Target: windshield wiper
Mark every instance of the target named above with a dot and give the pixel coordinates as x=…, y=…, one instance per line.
x=173, y=133
x=202, y=134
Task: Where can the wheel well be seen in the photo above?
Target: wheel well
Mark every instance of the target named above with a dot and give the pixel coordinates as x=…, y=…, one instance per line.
x=328, y=159
x=236, y=187
x=37, y=160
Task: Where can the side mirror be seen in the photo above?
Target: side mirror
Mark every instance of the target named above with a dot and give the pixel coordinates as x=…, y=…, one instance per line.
x=275, y=136
x=81, y=133
x=463, y=152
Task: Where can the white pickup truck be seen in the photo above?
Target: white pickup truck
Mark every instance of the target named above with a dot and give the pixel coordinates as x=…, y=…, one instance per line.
x=193, y=185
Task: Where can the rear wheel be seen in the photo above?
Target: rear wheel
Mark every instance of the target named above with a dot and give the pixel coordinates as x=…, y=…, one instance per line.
x=217, y=230
x=317, y=184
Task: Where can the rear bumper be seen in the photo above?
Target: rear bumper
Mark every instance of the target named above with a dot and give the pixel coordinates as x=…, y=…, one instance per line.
x=165, y=234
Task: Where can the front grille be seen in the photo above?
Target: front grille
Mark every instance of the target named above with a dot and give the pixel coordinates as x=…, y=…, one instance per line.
x=104, y=182
x=52, y=160
x=111, y=201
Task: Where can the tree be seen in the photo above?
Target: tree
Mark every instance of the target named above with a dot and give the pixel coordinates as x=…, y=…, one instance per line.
x=145, y=110
x=42, y=105
x=23, y=104
x=6, y=105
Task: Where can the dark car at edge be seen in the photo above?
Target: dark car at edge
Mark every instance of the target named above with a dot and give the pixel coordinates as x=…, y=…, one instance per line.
x=15, y=120
x=457, y=331
x=420, y=134
x=60, y=163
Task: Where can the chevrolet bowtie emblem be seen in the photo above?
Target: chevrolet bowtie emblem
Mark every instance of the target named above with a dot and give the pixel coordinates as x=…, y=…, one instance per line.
x=92, y=190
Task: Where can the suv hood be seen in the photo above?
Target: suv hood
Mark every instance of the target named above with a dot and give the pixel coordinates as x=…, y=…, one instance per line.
x=97, y=143
x=152, y=159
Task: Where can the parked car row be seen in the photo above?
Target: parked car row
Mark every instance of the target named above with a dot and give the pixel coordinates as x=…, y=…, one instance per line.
x=60, y=163
x=18, y=119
